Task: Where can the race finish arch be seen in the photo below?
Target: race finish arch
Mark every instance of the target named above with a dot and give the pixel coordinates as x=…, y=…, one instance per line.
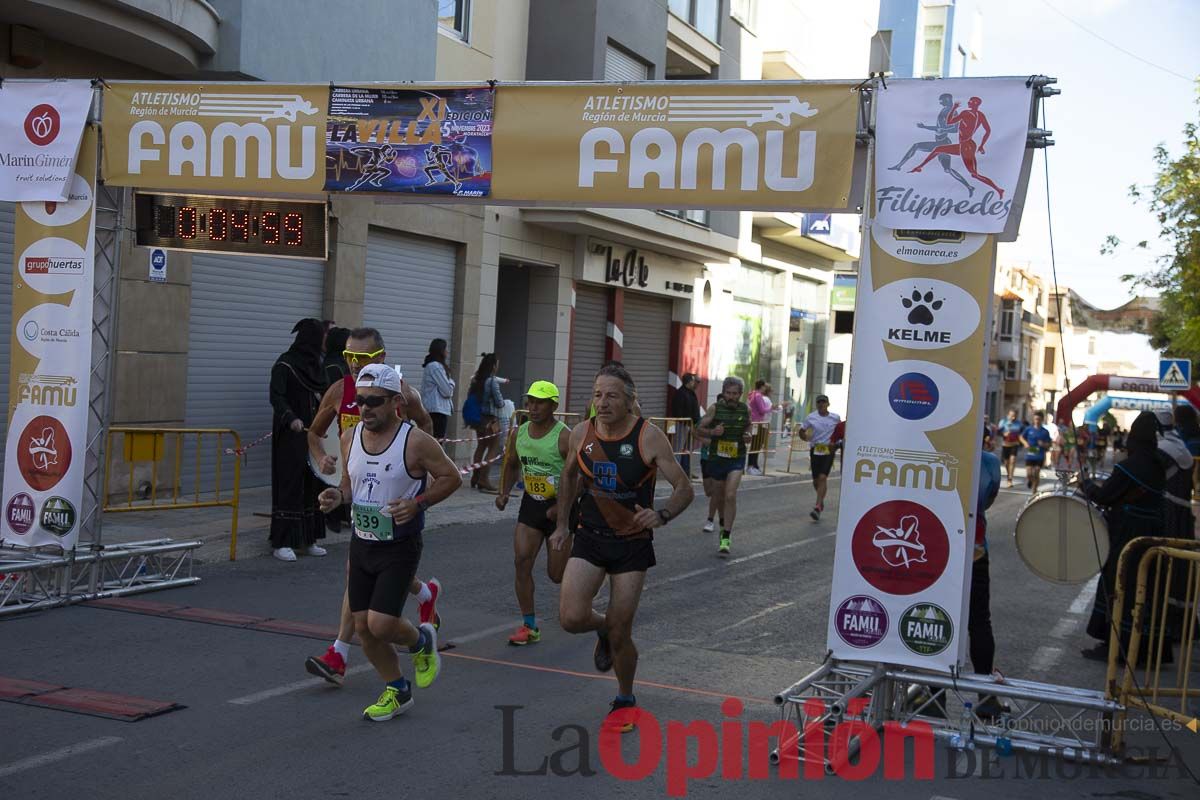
x=1113, y=383
x=248, y=168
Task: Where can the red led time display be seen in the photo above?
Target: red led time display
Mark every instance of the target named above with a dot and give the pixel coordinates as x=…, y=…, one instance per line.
x=286, y=228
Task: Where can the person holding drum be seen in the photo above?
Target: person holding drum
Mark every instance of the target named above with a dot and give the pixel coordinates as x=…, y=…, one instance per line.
x=540, y=446
x=1132, y=499
x=364, y=346
x=1035, y=439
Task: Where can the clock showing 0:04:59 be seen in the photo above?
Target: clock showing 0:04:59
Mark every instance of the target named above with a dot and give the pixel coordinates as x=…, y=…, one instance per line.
x=251, y=226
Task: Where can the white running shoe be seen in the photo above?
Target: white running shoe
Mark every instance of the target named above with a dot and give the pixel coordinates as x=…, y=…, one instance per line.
x=709, y=527
x=284, y=554
x=754, y=471
x=315, y=550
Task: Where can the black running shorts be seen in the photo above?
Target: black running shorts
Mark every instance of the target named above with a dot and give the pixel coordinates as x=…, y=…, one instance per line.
x=613, y=555
x=533, y=513
x=381, y=573
x=1009, y=451
x=821, y=465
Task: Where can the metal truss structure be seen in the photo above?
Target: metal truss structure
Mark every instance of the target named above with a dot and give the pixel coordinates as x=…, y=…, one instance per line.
x=37, y=578
x=1040, y=718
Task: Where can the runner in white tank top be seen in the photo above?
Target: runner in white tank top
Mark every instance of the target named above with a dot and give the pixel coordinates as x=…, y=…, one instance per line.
x=377, y=480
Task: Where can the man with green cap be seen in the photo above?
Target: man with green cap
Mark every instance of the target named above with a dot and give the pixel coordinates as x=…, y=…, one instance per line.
x=540, y=445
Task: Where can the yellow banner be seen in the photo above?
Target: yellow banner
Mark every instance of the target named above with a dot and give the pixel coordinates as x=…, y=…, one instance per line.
x=221, y=138
x=661, y=145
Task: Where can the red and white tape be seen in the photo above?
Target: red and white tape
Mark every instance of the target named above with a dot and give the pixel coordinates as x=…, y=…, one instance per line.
x=469, y=468
x=472, y=439
x=241, y=451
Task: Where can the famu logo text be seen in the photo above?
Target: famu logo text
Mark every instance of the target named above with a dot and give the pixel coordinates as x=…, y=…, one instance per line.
x=906, y=469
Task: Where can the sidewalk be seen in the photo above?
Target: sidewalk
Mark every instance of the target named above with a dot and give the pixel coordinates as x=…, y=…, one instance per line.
x=212, y=525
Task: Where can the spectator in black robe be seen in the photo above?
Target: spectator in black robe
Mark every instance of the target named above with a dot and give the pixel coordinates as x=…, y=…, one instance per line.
x=335, y=364
x=685, y=405
x=297, y=383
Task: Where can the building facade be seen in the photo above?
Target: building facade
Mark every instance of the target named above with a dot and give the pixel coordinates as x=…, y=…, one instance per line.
x=929, y=38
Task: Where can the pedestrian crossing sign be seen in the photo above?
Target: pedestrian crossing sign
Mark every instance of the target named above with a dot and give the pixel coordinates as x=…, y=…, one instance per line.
x=1174, y=374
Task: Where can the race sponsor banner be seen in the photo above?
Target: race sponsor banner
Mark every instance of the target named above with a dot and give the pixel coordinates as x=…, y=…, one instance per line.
x=409, y=139
x=41, y=123
x=906, y=530
x=50, y=371
x=948, y=153
x=219, y=138
x=665, y=145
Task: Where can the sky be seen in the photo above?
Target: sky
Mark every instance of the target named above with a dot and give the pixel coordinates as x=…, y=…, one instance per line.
x=1113, y=111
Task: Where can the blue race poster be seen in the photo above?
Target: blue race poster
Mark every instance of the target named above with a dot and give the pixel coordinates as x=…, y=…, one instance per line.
x=409, y=140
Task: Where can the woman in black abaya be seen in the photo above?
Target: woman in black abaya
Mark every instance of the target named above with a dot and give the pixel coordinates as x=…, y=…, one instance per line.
x=296, y=386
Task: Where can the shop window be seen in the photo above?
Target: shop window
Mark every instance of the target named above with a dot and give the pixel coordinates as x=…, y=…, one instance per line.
x=843, y=322
x=698, y=215
x=833, y=373
x=933, y=36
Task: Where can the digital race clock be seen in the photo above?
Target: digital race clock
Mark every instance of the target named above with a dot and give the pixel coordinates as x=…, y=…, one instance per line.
x=286, y=228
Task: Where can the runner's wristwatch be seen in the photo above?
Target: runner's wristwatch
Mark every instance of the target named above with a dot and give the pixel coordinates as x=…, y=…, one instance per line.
x=665, y=515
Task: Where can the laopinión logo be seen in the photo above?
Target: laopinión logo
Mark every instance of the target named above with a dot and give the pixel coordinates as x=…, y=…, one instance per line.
x=740, y=750
x=906, y=469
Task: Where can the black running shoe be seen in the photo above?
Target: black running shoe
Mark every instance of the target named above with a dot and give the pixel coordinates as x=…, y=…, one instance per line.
x=602, y=655
x=620, y=722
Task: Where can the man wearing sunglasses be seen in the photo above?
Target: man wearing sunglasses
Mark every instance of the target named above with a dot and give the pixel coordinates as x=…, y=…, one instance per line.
x=394, y=473
x=363, y=347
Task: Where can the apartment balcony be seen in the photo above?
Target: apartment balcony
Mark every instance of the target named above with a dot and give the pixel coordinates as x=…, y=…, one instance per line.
x=1017, y=388
x=690, y=54
x=168, y=36
x=834, y=236
x=1008, y=349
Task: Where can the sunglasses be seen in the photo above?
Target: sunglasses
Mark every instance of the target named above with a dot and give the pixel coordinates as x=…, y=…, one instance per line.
x=356, y=358
x=374, y=401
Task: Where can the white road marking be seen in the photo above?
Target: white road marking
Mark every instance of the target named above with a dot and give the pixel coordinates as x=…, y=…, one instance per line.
x=752, y=617
x=57, y=755
x=1085, y=597
x=1044, y=658
x=1065, y=627
x=751, y=557
x=296, y=686
x=483, y=634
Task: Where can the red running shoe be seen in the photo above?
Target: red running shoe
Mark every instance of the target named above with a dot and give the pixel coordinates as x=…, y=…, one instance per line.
x=429, y=610
x=331, y=666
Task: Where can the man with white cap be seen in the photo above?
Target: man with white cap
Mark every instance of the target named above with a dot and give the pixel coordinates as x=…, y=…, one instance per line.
x=394, y=472
x=540, y=446
x=363, y=346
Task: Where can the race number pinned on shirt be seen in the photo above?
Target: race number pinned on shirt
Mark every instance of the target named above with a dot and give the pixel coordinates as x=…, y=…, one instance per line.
x=371, y=523
x=727, y=449
x=540, y=487
x=820, y=449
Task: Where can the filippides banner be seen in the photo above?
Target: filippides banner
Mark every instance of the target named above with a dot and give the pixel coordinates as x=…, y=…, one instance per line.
x=217, y=138
x=51, y=367
x=906, y=529
x=948, y=152
x=758, y=146
x=40, y=126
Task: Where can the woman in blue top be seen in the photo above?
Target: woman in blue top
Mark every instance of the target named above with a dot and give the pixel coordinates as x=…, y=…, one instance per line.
x=486, y=387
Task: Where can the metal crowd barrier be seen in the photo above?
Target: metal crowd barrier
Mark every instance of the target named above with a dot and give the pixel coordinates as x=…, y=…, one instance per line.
x=1165, y=605
x=149, y=445
x=679, y=431
x=760, y=443
x=796, y=445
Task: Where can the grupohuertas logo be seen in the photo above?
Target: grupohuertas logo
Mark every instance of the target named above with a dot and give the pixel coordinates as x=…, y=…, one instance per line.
x=956, y=139
x=926, y=629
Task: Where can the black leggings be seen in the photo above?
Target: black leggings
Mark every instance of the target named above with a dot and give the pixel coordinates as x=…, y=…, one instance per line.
x=440, y=422
x=979, y=623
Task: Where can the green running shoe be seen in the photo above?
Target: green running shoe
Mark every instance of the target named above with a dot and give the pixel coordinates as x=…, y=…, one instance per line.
x=427, y=662
x=392, y=703
x=723, y=547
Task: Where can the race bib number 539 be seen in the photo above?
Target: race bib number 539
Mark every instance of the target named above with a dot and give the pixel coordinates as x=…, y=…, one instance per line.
x=371, y=523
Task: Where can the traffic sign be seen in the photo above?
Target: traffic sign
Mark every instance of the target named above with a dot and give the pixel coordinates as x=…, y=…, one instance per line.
x=1174, y=374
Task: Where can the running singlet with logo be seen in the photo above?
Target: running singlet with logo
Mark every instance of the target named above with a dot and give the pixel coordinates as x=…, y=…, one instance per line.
x=736, y=420
x=822, y=427
x=615, y=478
x=375, y=481
x=1011, y=429
x=541, y=461
x=348, y=415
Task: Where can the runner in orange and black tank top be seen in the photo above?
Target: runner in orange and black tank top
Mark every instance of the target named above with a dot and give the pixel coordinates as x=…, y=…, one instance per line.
x=614, y=479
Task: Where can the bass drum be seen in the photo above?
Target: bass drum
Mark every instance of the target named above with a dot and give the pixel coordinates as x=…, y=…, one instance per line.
x=331, y=445
x=1055, y=537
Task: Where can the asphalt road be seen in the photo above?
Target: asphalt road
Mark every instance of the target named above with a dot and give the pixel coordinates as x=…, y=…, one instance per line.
x=256, y=726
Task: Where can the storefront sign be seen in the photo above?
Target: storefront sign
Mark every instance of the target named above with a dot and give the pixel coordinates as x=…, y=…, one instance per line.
x=948, y=153
x=411, y=140
x=841, y=296
x=759, y=146
x=219, y=138
x=639, y=270
x=41, y=123
x=905, y=545
x=50, y=372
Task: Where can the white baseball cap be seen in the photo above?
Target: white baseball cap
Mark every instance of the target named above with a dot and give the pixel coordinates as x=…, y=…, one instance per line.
x=378, y=376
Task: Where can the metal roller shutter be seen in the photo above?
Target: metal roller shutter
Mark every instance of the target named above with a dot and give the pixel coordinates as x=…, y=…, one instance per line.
x=646, y=350
x=242, y=313
x=410, y=296
x=587, y=350
x=620, y=66
x=7, y=220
